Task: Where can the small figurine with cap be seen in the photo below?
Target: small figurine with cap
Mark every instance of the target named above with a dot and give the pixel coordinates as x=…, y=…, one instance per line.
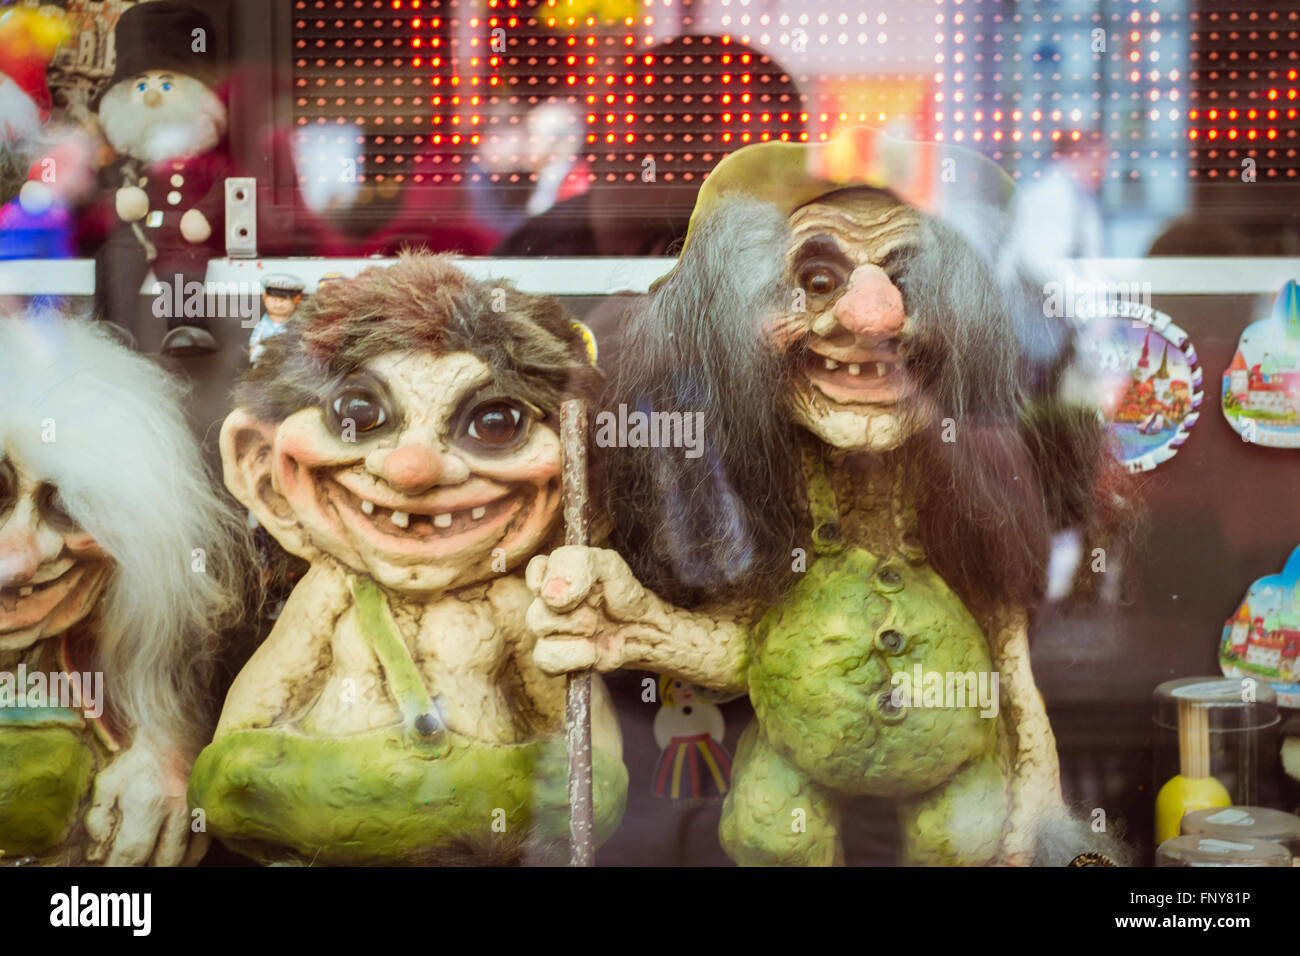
x=162, y=114
x=281, y=296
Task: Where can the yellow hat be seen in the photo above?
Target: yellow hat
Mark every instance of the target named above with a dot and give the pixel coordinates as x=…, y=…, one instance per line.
x=933, y=177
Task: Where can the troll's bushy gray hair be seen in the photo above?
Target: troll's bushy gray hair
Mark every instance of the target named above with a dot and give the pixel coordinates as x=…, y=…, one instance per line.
x=129, y=471
x=723, y=524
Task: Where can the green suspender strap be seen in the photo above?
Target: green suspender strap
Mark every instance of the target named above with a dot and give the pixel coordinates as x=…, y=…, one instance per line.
x=405, y=683
x=827, y=535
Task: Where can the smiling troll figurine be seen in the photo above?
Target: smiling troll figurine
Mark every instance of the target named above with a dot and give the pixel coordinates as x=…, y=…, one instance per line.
x=869, y=521
x=119, y=563
x=401, y=436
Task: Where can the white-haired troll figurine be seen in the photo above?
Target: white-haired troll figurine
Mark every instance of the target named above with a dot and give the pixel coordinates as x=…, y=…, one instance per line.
x=118, y=564
x=865, y=525
x=402, y=436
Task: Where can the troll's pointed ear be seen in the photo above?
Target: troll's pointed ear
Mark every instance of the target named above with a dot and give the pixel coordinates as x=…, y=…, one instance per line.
x=247, y=459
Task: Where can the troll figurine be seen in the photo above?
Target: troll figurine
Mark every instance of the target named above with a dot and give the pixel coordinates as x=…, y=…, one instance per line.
x=871, y=511
x=117, y=571
x=401, y=435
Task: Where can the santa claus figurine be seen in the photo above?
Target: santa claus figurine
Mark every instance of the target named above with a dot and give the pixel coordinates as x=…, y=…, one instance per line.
x=28, y=39
x=160, y=114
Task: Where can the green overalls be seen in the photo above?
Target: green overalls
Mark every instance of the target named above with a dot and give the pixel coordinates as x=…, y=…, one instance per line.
x=48, y=760
x=830, y=719
x=413, y=793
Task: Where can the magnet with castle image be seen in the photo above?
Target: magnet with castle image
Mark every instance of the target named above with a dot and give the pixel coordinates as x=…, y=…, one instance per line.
x=1261, y=388
x=1262, y=639
x=1151, y=383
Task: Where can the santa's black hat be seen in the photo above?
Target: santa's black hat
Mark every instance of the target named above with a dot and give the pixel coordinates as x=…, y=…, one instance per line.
x=160, y=35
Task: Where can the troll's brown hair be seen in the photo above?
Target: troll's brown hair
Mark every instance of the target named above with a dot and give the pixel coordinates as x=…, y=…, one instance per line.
x=421, y=302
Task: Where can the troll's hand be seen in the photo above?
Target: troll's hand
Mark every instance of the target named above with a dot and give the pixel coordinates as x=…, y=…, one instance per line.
x=139, y=814
x=589, y=606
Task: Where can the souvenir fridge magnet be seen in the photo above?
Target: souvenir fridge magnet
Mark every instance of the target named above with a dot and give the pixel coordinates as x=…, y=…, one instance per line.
x=1262, y=639
x=1152, y=389
x=689, y=729
x=1261, y=388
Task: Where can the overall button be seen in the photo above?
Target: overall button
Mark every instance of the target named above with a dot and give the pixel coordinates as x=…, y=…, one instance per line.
x=891, y=641
x=426, y=725
x=888, y=579
x=890, y=711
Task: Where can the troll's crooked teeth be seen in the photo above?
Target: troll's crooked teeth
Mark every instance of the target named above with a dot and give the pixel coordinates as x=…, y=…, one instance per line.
x=880, y=369
x=855, y=369
x=478, y=513
x=367, y=506
x=25, y=592
x=442, y=521
x=401, y=519
x=832, y=365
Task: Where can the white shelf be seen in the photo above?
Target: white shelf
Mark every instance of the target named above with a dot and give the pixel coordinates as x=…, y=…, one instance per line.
x=1167, y=276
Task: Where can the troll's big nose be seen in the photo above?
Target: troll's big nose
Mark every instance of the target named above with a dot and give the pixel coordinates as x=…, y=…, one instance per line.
x=412, y=468
x=872, y=306
x=152, y=98
x=20, y=556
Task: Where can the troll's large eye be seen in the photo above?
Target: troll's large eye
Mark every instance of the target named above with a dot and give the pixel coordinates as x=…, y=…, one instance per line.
x=496, y=423
x=360, y=405
x=819, y=279
x=53, y=509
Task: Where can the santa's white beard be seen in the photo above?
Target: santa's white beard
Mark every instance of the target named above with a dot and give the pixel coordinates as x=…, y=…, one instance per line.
x=19, y=117
x=185, y=125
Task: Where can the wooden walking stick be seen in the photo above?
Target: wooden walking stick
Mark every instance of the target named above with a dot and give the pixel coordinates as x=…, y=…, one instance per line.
x=573, y=438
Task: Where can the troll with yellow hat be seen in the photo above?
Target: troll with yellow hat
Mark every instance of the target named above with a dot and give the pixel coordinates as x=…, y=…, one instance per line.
x=862, y=538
